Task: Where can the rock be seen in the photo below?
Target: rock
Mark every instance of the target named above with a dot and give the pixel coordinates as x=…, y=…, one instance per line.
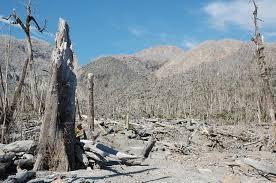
x=204, y=170
x=2, y=145
x=20, y=154
x=130, y=134
x=231, y=179
x=19, y=146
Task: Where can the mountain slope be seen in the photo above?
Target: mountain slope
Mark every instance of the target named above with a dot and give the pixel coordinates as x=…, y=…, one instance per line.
x=215, y=80
x=208, y=51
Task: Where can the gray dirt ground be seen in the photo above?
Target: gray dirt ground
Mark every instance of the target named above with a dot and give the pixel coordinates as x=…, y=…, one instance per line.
x=204, y=159
x=159, y=168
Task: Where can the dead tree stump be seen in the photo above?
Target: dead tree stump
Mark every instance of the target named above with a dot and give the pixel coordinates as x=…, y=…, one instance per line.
x=91, y=113
x=57, y=136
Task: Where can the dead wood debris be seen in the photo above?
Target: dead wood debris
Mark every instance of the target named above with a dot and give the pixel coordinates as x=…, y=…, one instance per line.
x=250, y=166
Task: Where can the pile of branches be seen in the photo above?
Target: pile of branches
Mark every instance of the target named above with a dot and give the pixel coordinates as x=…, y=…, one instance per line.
x=192, y=136
x=19, y=157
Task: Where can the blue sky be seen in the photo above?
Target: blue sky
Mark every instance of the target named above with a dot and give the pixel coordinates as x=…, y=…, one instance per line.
x=105, y=27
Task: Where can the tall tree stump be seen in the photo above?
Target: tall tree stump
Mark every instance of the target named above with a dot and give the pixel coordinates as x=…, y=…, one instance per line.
x=91, y=114
x=57, y=137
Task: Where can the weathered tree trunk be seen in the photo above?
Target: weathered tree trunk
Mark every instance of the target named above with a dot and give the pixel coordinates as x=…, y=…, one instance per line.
x=127, y=116
x=265, y=76
x=57, y=138
x=78, y=107
x=127, y=121
x=91, y=103
x=32, y=71
x=148, y=148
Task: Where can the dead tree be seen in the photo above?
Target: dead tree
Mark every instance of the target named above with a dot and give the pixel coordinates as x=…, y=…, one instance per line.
x=29, y=60
x=127, y=116
x=91, y=113
x=5, y=90
x=57, y=136
x=264, y=74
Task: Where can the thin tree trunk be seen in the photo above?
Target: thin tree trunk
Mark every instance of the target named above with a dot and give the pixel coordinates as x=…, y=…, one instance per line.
x=91, y=103
x=127, y=121
x=32, y=70
x=40, y=103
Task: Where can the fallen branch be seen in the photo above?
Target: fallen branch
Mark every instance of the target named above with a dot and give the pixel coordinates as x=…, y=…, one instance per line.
x=148, y=148
x=260, y=166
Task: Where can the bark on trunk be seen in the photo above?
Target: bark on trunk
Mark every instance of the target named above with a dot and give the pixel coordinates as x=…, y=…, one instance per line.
x=57, y=138
x=91, y=104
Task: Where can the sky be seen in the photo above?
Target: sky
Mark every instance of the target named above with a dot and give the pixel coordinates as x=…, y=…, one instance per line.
x=107, y=27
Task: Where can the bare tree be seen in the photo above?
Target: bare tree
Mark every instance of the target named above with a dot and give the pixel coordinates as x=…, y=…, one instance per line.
x=57, y=136
x=29, y=61
x=91, y=115
x=264, y=74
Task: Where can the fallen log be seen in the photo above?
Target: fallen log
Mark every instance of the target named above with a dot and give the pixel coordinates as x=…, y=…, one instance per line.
x=7, y=157
x=19, y=146
x=20, y=177
x=148, y=148
x=260, y=166
x=252, y=143
x=95, y=156
x=105, y=154
x=265, y=169
x=106, y=151
x=26, y=163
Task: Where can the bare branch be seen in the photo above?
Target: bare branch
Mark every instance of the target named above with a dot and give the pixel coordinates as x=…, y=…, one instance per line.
x=16, y=20
x=37, y=26
x=7, y=17
x=3, y=88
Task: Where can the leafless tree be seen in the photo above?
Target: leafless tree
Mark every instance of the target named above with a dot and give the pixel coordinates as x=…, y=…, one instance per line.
x=26, y=27
x=265, y=74
x=91, y=115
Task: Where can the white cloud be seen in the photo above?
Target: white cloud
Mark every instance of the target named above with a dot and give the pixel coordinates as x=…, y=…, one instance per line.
x=188, y=44
x=137, y=31
x=239, y=12
x=270, y=34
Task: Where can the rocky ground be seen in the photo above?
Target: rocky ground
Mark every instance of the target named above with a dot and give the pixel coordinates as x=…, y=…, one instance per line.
x=187, y=150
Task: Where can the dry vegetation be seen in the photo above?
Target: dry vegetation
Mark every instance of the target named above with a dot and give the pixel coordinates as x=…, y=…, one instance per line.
x=206, y=114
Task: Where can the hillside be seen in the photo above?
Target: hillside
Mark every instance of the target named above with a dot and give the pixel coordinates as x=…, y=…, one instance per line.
x=42, y=56
x=216, y=79
x=208, y=51
x=207, y=110
x=160, y=53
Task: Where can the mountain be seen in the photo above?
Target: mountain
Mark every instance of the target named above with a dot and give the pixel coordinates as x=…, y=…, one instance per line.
x=216, y=80
x=208, y=51
x=160, y=53
x=17, y=56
